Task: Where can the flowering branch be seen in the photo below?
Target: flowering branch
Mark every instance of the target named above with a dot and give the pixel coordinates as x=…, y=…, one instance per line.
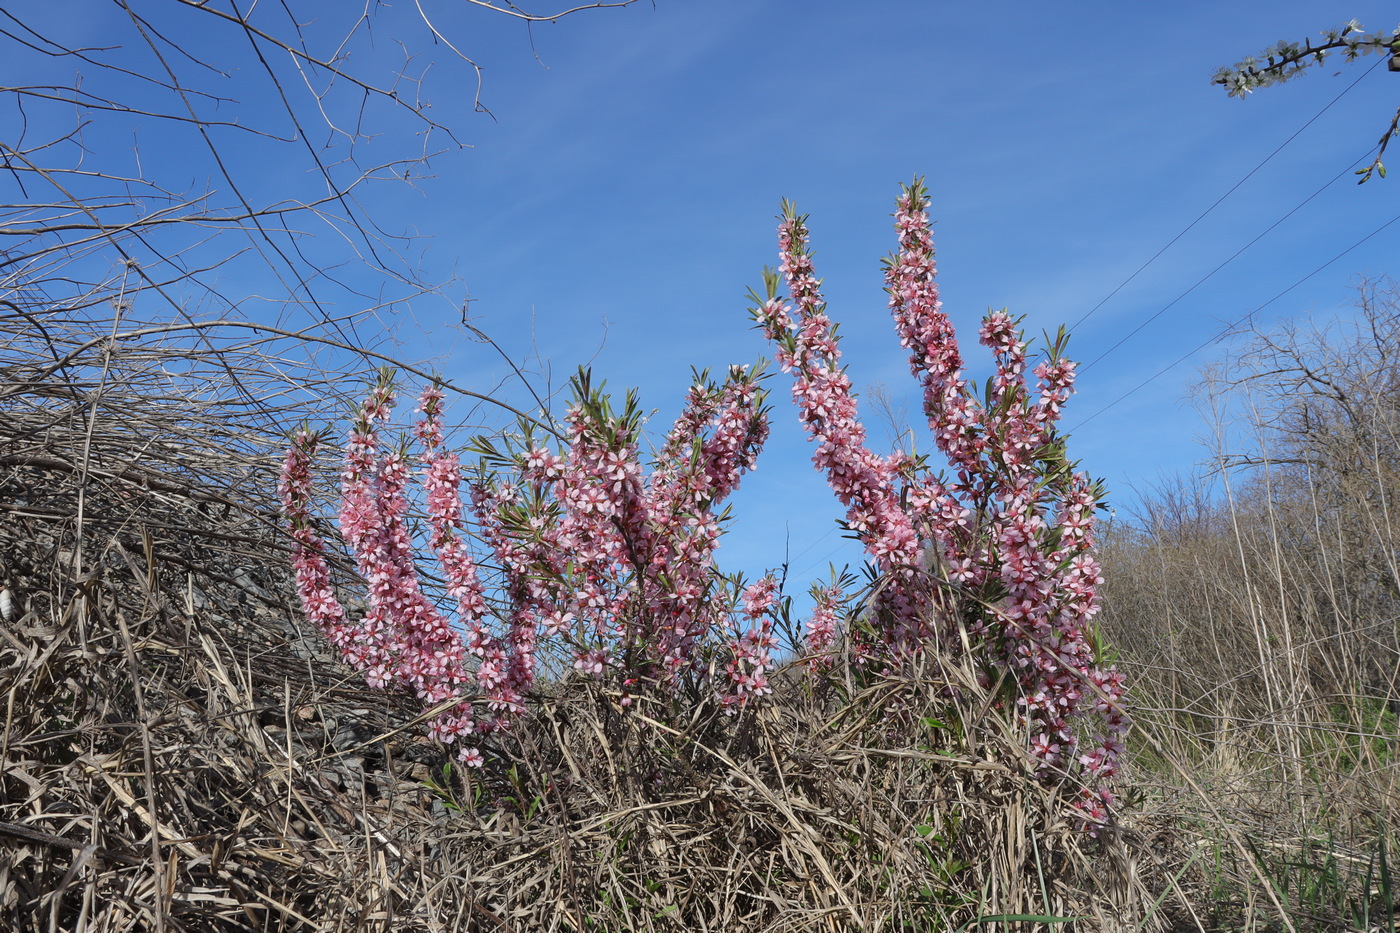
x=616, y=564
x=1011, y=530
x=1285, y=60
x=402, y=639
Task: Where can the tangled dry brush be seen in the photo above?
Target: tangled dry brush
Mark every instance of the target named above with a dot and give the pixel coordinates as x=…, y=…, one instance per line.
x=180, y=753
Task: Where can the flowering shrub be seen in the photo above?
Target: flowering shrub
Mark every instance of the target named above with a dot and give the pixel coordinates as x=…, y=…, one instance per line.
x=1002, y=546
x=617, y=566
x=614, y=565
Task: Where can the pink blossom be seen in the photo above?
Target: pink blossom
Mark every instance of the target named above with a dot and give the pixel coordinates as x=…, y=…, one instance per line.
x=402, y=639
x=1010, y=518
x=822, y=626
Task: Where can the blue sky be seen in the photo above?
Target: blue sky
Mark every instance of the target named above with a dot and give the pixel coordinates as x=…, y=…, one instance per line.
x=625, y=200
x=622, y=200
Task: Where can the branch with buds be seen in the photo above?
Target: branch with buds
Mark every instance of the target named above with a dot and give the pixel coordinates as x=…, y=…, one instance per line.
x=1284, y=60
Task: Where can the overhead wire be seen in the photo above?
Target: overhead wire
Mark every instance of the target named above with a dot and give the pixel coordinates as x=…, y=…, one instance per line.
x=1205, y=278
x=1226, y=331
x=1221, y=199
x=1214, y=338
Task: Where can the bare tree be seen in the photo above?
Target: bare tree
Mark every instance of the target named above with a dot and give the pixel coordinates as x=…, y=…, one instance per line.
x=189, y=197
x=226, y=159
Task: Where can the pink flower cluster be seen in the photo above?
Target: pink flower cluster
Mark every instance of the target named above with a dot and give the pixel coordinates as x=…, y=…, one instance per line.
x=615, y=565
x=869, y=485
x=402, y=639
x=505, y=668
x=828, y=604
x=751, y=650
x=1012, y=527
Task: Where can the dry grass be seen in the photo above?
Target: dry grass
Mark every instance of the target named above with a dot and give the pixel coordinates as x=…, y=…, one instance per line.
x=1258, y=614
x=175, y=751
x=187, y=770
x=179, y=754
x=173, y=766
x=792, y=818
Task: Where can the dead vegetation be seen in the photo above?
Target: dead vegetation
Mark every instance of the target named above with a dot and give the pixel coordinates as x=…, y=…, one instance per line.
x=179, y=754
x=1256, y=607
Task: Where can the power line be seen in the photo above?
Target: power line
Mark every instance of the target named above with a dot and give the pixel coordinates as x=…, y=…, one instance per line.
x=1203, y=279
x=1155, y=256
x=824, y=560
x=803, y=553
x=1226, y=331
x=1222, y=198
